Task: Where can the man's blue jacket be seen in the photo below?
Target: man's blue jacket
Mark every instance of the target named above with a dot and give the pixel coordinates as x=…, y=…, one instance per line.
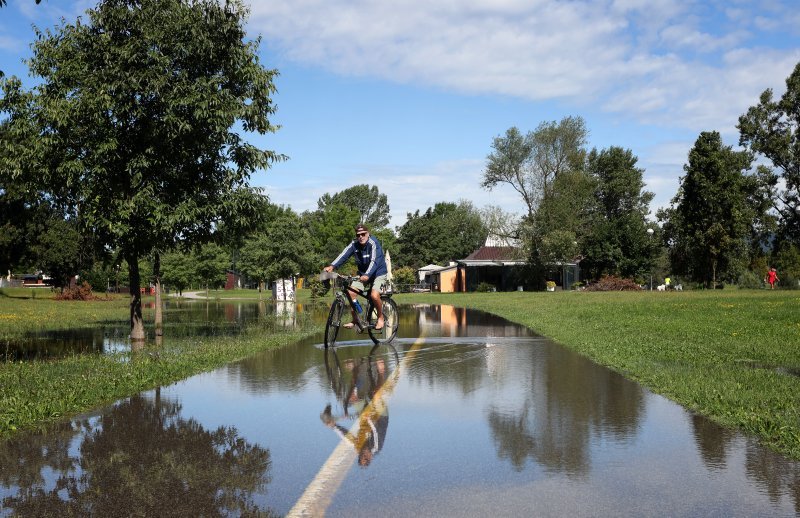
x=369, y=258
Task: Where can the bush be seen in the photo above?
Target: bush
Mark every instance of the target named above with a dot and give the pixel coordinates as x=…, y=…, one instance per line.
x=749, y=280
x=485, y=287
x=613, y=283
x=82, y=292
x=317, y=287
x=405, y=275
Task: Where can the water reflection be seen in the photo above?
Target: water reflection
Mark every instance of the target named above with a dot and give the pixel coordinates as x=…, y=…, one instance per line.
x=359, y=385
x=565, y=405
x=138, y=458
x=182, y=318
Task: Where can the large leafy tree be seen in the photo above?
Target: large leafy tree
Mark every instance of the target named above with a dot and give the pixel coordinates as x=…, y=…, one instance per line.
x=709, y=222
x=561, y=222
x=772, y=129
x=331, y=229
x=134, y=123
x=531, y=163
x=618, y=243
x=372, y=206
x=445, y=232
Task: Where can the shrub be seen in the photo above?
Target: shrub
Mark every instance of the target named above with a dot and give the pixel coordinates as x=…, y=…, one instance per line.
x=485, y=287
x=82, y=292
x=613, y=283
x=749, y=280
x=405, y=275
x=317, y=287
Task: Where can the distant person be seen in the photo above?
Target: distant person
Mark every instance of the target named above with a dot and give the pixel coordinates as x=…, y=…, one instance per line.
x=666, y=283
x=371, y=266
x=772, y=278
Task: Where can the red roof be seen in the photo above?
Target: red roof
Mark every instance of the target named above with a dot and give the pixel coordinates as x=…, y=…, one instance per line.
x=494, y=253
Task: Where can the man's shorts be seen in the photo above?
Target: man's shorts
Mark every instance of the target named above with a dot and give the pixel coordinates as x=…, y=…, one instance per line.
x=381, y=283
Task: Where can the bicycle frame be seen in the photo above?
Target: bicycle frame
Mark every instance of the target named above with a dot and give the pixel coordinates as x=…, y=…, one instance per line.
x=344, y=292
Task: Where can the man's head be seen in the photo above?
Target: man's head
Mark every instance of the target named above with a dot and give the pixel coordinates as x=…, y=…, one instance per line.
x=362, y=233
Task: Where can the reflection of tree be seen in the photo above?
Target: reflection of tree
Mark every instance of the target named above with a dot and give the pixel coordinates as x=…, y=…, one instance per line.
x=140, y=458
x=776, y=474
x=570, y=401
x=712, y=442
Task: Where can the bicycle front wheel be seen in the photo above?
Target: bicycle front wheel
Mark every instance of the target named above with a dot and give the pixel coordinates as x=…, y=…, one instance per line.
x=391, y=321
x=334, y=322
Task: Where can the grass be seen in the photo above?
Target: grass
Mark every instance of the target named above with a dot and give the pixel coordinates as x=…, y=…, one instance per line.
x=733, y=356
x=34, y=393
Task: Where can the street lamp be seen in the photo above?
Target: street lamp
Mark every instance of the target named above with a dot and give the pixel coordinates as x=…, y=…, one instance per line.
x=650, y=238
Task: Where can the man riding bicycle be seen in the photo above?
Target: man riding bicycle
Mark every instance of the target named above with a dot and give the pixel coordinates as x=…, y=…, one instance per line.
x=371, y=266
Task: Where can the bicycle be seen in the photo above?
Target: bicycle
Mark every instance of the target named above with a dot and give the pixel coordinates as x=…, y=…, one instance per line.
x=342, y=300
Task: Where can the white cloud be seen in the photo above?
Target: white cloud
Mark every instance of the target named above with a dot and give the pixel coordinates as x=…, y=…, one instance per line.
x=633, y=57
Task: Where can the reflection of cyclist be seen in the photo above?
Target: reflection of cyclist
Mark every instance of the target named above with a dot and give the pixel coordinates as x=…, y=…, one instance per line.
x=369, y=433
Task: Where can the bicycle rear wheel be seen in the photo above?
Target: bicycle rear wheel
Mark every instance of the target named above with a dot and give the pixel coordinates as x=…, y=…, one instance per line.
x=391, y=321
x=334, y=322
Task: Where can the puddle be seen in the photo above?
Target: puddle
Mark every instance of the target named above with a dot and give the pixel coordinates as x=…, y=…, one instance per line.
x=465, y=415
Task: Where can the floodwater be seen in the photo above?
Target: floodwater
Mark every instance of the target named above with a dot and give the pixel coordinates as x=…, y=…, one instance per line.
x=465, y=415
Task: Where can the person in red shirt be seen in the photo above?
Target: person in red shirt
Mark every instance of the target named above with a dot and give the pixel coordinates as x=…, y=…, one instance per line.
x=772, y=278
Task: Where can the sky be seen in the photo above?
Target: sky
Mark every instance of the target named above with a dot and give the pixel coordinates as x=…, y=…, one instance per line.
x=408, y=95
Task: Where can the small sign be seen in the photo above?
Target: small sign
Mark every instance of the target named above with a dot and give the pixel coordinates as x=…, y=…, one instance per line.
x=283, y=290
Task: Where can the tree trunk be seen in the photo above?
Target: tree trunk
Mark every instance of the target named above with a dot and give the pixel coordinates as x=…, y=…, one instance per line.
x=159, y=323
x=137, y=323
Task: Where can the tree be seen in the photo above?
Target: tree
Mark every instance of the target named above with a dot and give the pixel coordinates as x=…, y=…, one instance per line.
x=282, y=251
x=531, y=163
x=177, y=270
x=618, y=243
x=331, y=229
x=211, y=264
x=59, y=251
x=372, y=206
x=708, y=224
x=132, y=123
x=772, y=128
x=445, y=232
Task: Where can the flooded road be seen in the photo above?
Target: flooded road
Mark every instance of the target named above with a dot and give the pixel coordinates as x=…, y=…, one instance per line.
x=465, y=415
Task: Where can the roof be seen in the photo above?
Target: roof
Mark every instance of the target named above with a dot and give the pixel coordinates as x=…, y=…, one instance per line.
x=430, y=267
x=495, y=254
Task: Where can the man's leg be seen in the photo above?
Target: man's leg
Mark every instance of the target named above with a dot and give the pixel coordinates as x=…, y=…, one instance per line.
x=375, y=296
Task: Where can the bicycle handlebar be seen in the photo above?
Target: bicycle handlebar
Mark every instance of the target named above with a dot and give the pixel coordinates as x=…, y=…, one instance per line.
x=327, y=276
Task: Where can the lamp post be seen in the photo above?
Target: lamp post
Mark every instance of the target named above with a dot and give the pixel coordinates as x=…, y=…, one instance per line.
x=650, y=240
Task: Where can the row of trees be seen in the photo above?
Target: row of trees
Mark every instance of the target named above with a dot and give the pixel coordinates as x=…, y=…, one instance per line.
x=728, y=220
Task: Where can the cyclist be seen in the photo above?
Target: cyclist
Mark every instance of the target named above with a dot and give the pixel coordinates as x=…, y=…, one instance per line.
x=371, y=266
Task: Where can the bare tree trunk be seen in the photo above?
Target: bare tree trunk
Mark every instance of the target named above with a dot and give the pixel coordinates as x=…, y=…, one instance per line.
x=159, y=323
x=137, y=322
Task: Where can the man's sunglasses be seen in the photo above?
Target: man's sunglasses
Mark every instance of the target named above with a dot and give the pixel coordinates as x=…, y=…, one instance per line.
x=361, y=234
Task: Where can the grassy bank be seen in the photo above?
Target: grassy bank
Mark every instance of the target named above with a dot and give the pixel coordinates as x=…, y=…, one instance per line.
x=34, y=393
x=733, y=356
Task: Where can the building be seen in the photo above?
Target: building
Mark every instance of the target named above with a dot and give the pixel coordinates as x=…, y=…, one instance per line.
x=499, y=267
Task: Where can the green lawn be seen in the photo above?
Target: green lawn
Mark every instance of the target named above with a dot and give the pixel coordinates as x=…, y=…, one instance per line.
x=732, y=355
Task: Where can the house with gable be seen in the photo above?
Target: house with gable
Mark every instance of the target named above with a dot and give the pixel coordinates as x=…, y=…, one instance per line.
x=499, y=264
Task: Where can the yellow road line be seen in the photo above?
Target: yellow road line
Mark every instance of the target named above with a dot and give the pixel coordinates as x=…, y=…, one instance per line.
x=320, y=492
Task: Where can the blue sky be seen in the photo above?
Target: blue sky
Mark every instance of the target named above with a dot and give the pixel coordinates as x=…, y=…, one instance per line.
x=409, y=94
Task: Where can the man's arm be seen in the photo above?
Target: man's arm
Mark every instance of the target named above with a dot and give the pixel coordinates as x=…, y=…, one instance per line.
x=344, y=256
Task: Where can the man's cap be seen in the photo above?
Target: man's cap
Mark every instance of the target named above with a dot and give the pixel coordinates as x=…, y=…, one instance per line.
x=361, y=228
